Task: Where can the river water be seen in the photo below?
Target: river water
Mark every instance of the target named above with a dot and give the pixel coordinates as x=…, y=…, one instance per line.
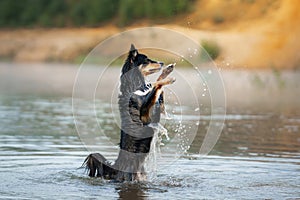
x=256, y=157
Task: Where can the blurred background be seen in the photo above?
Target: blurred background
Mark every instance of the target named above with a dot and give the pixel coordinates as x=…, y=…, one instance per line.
x=254, y=44
x=243, y=33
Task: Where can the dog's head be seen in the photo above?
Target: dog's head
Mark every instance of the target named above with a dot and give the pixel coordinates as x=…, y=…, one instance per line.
x=145, y=65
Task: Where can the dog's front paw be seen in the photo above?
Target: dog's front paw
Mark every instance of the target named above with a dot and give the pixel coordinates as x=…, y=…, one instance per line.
x=172, y=80
x=166, y=71
x=167, y=81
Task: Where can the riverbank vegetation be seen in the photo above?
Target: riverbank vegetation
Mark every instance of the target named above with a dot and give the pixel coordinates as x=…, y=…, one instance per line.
x=61, y=13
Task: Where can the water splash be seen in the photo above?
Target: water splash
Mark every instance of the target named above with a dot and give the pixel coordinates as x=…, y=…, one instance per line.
x=155, y=152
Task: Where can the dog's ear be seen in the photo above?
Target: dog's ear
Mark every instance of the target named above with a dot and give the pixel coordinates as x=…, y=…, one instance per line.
x=132, y=47
x=133, y=51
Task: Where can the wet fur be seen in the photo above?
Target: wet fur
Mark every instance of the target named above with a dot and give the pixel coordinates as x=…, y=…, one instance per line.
x=139, y=104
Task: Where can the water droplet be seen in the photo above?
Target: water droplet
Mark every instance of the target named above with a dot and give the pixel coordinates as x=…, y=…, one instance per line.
x=197, y=123
x=196, y=109
x=203, y=95
x=204, y=89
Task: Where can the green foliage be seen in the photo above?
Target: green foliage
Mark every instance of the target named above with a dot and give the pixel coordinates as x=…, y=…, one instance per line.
x=31, y=13
x=212, y=48
x=131, y=10
x=8, y=10
x=218, y=19
x=92, y=12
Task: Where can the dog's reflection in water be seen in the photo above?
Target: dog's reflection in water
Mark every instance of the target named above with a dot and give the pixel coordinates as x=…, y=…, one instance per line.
x=129, y=192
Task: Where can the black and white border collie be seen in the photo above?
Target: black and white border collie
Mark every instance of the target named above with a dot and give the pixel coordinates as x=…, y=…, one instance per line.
x=140, y=105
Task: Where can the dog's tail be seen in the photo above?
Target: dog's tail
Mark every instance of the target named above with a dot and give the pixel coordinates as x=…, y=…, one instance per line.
x=98, y=166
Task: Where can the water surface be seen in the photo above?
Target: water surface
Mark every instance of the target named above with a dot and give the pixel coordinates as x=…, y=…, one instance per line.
x=256, y=157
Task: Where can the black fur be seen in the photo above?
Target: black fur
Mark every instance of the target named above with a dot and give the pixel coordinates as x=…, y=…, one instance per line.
x=136, y=111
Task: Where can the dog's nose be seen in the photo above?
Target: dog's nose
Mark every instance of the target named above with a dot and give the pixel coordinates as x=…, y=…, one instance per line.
x=161, y=63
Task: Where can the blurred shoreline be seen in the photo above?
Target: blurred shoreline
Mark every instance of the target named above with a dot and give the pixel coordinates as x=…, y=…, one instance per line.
x=239, y=49
x=249, y=35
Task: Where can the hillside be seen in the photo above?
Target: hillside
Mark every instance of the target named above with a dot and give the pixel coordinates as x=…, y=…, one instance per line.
x=250, y=33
